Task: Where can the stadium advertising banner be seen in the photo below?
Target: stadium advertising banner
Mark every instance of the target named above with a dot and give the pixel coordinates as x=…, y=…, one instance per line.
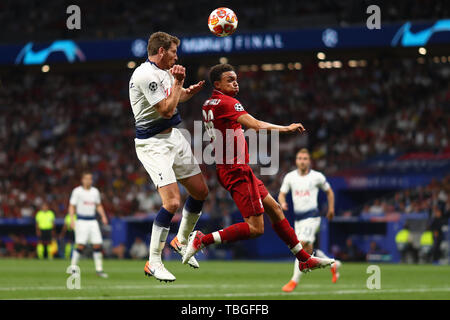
x=398, y=35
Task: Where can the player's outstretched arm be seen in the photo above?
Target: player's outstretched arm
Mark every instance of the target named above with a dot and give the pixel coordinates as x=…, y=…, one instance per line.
x=166, y=107
x=188, y=93
x=250, y=122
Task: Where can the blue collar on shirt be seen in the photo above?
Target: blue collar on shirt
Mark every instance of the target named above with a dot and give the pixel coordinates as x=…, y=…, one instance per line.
x=148, y=60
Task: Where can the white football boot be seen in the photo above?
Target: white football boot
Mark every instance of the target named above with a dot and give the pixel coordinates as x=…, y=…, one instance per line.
x=158, y=271
x=181, y=249
x=194, y=245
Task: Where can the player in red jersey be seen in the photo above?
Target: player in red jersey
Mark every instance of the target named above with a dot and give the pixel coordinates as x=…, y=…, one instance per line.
x=223, y=117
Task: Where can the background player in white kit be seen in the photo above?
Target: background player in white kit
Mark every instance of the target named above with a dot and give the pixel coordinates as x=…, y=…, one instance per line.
x=156, y=88
x=85, y=202
x=304, y=184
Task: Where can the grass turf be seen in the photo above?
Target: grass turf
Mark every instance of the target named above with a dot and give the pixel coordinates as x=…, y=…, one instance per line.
x=33, y=279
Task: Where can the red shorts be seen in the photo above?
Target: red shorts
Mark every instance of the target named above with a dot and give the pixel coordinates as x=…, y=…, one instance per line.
x=245, y=188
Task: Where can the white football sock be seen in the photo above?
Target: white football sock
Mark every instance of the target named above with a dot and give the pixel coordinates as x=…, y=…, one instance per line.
x=321, y=254
x=75, y=258
x=297, y=273
x=157, y=242
x=187, y=225
x=98, y=260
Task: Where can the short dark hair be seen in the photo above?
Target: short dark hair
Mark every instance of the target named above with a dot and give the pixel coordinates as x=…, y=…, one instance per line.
x=85, y=172
x=215, y=73
x=160, y=39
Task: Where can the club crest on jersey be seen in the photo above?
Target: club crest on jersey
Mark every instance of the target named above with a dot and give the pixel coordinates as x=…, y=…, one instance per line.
x=238, y=107
x=153, y=86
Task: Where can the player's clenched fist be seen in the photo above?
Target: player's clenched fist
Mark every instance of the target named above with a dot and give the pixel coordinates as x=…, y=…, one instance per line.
x=178, y=72
x=295, y=127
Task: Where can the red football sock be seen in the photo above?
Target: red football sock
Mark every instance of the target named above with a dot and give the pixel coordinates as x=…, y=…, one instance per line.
x=287, y=234
x=235, y=232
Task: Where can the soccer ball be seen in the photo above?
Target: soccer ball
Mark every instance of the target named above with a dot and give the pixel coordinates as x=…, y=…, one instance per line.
x=222, y=22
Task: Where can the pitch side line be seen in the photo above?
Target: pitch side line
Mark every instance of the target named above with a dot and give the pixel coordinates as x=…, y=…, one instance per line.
x=162, y=286
x=255, y=294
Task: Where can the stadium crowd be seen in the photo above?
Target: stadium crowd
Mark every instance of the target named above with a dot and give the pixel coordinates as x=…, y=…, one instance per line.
x=56, y=125
x=33, y=20
x=433, y=199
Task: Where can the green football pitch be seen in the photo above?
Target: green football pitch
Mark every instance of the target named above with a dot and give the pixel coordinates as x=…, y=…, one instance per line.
x=33, y=279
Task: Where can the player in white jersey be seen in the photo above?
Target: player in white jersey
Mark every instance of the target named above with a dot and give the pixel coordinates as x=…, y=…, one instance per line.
x=156, y=88
x=85, y=202
x=304, y=184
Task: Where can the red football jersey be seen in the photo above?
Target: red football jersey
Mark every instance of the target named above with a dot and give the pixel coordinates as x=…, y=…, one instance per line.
x=220, y=113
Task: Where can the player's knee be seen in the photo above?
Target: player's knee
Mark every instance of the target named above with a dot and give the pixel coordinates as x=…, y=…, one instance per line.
x=97, y=248
x=203, y=193
x=256, y=231
x=80, y=248
x=172, y=205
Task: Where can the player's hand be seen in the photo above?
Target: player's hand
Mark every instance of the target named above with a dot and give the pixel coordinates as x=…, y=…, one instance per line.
x=285, y=206
x=72, y=224
x=193, y=89
x=330, y=214
x=104, y=220
x=293, y=127
x=178, y=72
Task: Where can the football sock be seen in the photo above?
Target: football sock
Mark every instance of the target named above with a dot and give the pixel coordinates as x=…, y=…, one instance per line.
x=67, y=250
x=287, y=234
x=49, y=251
x=321, y=254
x=160, y=230
x=297, y=273
x=98, y=257
x=192, y=211
x=40, y=250
x=75, y=257
x=235, y=232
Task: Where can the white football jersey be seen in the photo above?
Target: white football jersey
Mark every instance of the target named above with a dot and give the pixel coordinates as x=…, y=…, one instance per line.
x=85, y=200
x=148, y=86
x=305, y=189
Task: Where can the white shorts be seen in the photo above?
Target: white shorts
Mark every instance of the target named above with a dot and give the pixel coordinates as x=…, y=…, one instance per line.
x=306, y=229
x=167, y=157
x=87, y=231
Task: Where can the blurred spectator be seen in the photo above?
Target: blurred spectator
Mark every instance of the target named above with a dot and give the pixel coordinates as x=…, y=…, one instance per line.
x=426, y=246
x=351, y=252
x=437, y=222
x=376, y=208
x=22, y=248
x=119, y=251
x=403, y=240
x=139, y=249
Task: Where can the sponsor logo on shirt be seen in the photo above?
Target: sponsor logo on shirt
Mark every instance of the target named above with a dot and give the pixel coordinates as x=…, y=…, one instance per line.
x=302, y=193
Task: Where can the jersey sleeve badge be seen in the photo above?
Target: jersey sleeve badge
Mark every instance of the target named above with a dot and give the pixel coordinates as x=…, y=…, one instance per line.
x=238, y=107
x=153, y=86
